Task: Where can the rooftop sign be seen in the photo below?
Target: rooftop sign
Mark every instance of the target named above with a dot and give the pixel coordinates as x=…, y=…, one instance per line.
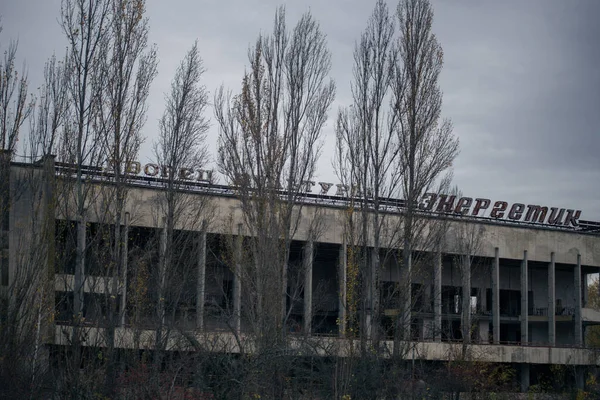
x=432, y=202
x=478, y=207
x=163, y=171
x=443, y=203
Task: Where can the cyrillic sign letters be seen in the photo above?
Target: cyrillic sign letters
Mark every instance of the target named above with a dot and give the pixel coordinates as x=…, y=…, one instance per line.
x=442, y=203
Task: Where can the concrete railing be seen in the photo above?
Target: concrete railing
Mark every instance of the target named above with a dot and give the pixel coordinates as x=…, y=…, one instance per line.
x=129, y=338
x=590, y=315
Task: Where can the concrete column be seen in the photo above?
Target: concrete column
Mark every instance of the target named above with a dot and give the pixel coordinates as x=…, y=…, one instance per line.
x=79, y=268
x=524, y=377
x=375, y=266
x=466, y=297
x=200, y=284
x=584, y=290
x=49, y=238
x=124, y=254
x=342, y=261
x=496, y=296
x=367, y=301
x=437, y=298
x=407, y=308
x=524, y=300
x=551, y=301
x=237, y=284
x=162, y=271
x=578, y=304
x=308, y=269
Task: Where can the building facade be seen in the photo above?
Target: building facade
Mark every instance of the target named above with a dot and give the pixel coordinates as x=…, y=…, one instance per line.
x=513, y=288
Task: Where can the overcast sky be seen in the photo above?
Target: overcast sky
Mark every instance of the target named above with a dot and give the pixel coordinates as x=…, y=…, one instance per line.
x=521, y=80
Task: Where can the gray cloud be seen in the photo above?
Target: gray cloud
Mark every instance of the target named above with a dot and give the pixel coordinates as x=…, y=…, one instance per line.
x=521, y=80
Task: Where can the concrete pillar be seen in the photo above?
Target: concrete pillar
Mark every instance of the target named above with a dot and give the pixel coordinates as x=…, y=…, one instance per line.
x=367, y=300
x=524, y=300
x=524, y=377
x=79, y=268
x=407, y=307
x=584, y=290
x=237, y=284
x=342, y=261
x=45, y=325
x=308, y=269
x=496, y=296
x=200, y=284
x=578, y=304
x=551, y=301
x=437, y=297
x=124, y=254
x=374, y=300
x=49, y=238
x=162, y=271
x=465, y=268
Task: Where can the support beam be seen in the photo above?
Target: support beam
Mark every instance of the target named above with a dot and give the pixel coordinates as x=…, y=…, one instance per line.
x=375, y=328
x=584, y=290
x=200, y=285
x=578, y=303
x=50, y=243
x=308, y=272
x=407, y=306
x=437, y=298
x=162, y=270
x=524, y=300
x=124, y=254
x=496, y=296
x=237, y=283
x=342, y=264
x=552, y=301
x=79, y=268
x=465, y=269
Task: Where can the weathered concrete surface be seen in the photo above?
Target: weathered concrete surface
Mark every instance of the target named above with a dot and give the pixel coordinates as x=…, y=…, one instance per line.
x=144, y=205
x=590, y=315
x=510, y=354
x=333, y=346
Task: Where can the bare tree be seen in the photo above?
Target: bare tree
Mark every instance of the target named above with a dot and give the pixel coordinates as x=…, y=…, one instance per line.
x=23, y=250
x=51, y=111
x=428, y=146
x=14, y=103
x=26, y=289
x=465, y=239
x=86, y=25
x=180, y=150
x=367, y=155
x=128, y=70
x=269, y=141
x=268, y=146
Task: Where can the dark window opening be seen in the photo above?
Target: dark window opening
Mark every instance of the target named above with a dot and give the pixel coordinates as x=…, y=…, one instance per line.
x=65, y=246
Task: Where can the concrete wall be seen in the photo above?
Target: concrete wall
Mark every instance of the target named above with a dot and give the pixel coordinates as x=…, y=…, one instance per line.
x=224, y=341
x=512, y=240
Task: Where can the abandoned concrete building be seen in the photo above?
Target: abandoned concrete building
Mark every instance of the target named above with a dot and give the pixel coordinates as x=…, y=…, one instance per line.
x=523, y=300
